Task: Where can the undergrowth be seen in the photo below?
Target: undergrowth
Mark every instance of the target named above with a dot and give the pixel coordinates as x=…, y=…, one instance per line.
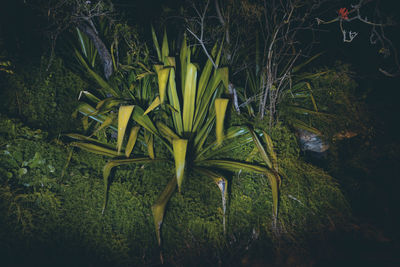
x=51, y=197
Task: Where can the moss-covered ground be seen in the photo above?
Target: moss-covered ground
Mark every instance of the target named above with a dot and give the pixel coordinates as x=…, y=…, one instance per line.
x=51, y=197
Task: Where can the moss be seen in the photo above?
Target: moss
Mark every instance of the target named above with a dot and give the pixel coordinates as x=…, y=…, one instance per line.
x=53, y=215
x=43, y=99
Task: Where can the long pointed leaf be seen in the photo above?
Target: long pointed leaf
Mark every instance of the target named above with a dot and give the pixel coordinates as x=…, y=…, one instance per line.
x=164, y=48
x=183, y=59
x=124, y=115
x=204, y=79
x=163, y=75
x=189, y=98
x=105, y=85
x=271, y=152
x=174, y=101
x=158, y=207
x=220, y=110
x=95, y=149
x=155, y=42
x=149, y=139
x=153, y=105
x=143, y=120
x=132, y=140
x=180, y=147
x=107, y=122
x=260, y=148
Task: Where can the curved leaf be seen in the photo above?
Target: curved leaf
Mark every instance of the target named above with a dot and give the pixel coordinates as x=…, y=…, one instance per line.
x=271, y=152
x=273, y=178
x=124, y=115
x=158, y=207
x=260, y=148
x=96, y=149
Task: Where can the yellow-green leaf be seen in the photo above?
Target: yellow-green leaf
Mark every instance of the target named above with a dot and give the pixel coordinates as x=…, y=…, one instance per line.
x=183, y=59
x=166, y=131
x=107, y=122
x=132, y=140
x=108, y=103
x=143, y=120
x=158, y=207
x=224, y=74
x=153, y=105
x=89, y=111
x=189, y=98
x=174, y=101
x=89, y=95
x=312, y=97
x=95, y=149
x=220, y=110
x=124, y=114
x=274, y=181
x=271, y=152
x=85, y=123
x=272, y=176
x=171, y=61
x=162, y=82
x=149, y=139
x=164, y=48
x=158, y=67
x=203, y=81
x=155, y=41
x=180, y=147
x=260, y=148
x=105, y=85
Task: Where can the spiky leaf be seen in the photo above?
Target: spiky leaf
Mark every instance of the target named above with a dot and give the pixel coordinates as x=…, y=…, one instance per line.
x=132, y=140
x=124, y=115
x=158, y=207
x=220, y=110
x=179, y=147
x=153, y=105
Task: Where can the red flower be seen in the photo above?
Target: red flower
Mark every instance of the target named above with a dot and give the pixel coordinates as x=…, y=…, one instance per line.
x=343, y=13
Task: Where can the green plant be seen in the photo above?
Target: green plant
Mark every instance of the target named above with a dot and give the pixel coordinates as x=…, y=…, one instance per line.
x=295, y=106
x=180, y=118
x=310, y=200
